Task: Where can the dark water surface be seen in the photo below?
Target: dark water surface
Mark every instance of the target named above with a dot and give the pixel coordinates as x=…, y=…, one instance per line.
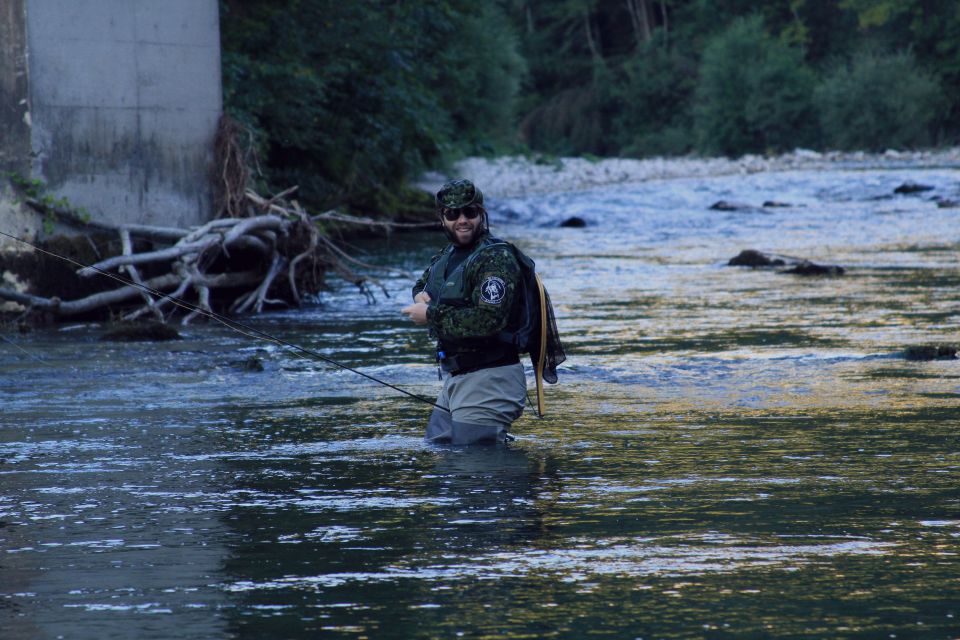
x=730, y=453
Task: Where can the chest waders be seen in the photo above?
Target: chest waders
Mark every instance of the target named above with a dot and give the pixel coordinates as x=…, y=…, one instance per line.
x=459, y=357
x=531, y=329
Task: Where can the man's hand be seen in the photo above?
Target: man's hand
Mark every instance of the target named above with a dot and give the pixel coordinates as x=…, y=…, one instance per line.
x=418, y=310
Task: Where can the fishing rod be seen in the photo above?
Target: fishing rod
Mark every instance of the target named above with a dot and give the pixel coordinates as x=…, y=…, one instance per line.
x=235, y=325
x=25, y=352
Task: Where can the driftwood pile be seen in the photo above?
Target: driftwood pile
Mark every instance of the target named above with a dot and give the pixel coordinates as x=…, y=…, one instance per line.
x=276, y=256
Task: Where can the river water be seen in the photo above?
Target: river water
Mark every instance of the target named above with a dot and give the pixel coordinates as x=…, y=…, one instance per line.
x=730, y=453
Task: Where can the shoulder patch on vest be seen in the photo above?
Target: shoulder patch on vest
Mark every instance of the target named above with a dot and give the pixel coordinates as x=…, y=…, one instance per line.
x=492, y=290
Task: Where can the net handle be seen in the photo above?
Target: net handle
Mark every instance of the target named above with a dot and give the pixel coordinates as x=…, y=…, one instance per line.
x=538, y=369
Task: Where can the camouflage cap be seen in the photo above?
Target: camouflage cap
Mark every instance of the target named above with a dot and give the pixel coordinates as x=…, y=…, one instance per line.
x=458, y=194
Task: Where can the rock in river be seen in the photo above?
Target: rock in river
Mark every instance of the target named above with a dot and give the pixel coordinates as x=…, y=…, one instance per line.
x=807, y=268
x=912, y=187
x=800, y=267
x=754, y=258
x=574, y=222
x=931, y=352
x=726, y=205
x=140, y=331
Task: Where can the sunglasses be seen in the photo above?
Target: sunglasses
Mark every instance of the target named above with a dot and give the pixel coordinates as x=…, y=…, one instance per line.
x=452, y=215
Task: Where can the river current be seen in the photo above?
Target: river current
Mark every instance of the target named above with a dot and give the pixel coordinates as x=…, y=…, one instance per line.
x=730, y=453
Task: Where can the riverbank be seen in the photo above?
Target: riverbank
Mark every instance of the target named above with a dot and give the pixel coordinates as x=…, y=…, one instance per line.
x=514, y=176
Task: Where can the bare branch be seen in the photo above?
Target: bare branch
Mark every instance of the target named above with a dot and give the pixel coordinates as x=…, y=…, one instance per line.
x=251, y=224
x=135, y=274
x=142, y=258
x=298, y=253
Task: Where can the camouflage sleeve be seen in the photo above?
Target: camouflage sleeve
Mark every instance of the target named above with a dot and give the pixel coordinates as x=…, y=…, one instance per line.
x=493, y=279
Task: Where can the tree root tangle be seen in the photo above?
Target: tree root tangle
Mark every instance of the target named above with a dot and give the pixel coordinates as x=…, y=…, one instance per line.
x=277, y=255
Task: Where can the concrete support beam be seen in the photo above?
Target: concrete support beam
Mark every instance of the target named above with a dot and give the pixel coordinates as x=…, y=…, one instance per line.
x=14, y=89
x=125, y=96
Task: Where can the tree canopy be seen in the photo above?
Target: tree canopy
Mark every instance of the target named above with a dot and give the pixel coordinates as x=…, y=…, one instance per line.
x=350, y=100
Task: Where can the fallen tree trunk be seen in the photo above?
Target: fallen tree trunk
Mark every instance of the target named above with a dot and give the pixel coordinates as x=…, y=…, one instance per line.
x=237, y=264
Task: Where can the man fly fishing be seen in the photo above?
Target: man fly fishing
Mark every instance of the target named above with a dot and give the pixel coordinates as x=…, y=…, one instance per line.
x=484, y=304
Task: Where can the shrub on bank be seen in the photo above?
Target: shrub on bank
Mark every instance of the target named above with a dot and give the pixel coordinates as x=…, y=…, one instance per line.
x=753, y=94
x=877, y=101
x=653, y=115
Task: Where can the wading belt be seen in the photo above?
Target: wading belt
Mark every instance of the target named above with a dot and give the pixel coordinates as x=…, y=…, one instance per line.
x=469, y=362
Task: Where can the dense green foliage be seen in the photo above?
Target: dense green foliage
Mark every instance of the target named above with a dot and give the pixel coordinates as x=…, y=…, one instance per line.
x=753, y=94
x=350, y=100
x=878, y=101
x=654, y=117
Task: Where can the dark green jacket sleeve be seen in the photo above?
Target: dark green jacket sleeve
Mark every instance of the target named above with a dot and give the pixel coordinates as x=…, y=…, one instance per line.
x=421, y=283
x=493, y=280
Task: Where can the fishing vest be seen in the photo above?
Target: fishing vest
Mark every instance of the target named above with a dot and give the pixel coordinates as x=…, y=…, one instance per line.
x=452, y=290
x=531, y=327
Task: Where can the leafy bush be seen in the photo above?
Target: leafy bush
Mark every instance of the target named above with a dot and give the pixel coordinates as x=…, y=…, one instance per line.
x=878, y=101
x=754, y=93
x=653, y=116
x=477, y=78
x=352, y=99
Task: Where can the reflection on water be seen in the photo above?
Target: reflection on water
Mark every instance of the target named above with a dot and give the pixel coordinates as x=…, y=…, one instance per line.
x=731, y=453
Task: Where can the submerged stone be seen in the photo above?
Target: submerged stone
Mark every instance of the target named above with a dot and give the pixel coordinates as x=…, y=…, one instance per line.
x=757, y=259
x=150, y=330
x=574, y=222
x=912, y=187
x=754, y=258
x=725, y=205
x=807, y=268
x=931, y=352
x=252, y=364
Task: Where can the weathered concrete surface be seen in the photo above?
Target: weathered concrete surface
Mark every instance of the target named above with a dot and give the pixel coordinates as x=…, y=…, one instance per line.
x=14, y=109
x=125, y=96
x=14, y=220
x=14, y=123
